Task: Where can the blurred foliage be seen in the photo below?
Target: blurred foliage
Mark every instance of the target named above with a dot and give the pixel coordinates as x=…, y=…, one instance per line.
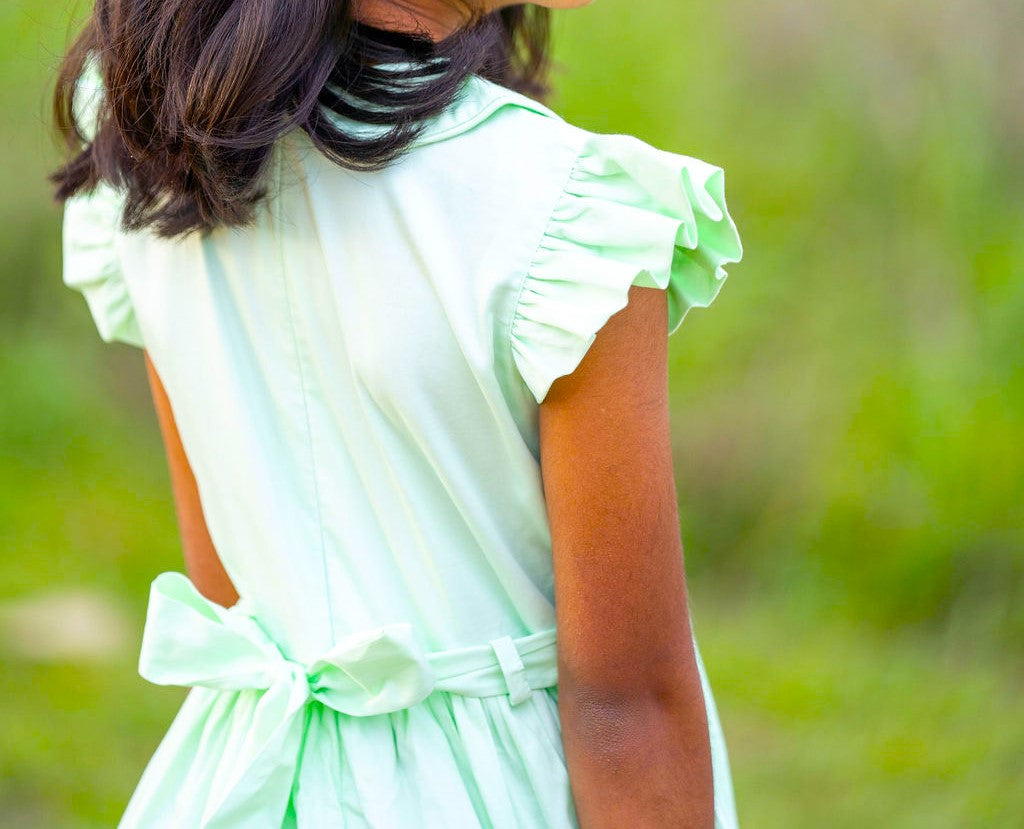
x=848, y=417
x=850, y=413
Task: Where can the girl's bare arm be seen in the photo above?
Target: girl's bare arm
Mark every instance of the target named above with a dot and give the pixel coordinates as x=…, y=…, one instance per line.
x=634, y=726
x=201, y=561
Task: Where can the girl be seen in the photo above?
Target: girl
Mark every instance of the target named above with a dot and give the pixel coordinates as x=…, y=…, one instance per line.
x=406, y=334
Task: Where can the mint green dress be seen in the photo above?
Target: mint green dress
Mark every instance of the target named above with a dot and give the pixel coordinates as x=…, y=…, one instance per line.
x=356, y=381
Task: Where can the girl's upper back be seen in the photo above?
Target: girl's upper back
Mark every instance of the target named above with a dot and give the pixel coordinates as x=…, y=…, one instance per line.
x=356, y=377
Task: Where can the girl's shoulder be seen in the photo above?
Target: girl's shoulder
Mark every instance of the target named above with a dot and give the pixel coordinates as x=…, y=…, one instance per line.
x=617, y=211
x=624, y=166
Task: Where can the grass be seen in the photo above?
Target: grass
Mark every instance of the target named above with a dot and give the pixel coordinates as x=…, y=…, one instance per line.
x=833, y=724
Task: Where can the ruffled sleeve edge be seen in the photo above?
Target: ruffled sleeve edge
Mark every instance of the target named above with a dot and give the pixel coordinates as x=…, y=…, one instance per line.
x=630, y=214
x=92, y=267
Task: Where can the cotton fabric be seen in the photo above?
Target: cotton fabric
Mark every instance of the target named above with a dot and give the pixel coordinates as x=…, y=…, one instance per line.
x=356, y=380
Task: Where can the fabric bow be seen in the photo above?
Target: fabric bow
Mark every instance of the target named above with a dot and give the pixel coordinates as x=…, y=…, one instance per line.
x=189, y=640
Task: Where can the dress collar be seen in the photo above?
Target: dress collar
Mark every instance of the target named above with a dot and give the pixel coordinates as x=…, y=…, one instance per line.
x=475, y=100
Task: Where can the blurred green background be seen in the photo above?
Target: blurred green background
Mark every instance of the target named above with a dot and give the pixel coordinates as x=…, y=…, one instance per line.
x=848, y=417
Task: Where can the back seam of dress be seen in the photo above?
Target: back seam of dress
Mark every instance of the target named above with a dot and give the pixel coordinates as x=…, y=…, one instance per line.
x=282, y=259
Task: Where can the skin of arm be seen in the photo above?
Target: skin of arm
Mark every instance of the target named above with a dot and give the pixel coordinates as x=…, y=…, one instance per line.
x=634, y=726
x=202, y=564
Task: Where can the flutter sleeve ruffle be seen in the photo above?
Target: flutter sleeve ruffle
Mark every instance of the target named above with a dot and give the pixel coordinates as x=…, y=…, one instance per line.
x=630, y=214
x=91, y=264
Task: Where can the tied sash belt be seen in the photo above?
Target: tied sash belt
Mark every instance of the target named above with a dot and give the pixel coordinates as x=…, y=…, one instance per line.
x=193, y=641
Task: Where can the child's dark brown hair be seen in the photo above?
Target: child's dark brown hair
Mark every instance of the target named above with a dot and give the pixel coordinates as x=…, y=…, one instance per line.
x=198, y=91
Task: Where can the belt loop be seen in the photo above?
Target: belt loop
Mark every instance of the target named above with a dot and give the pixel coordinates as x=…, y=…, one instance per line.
x=512, y=667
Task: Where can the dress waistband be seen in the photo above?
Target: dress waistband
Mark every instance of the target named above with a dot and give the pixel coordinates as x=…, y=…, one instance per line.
x=190, y=640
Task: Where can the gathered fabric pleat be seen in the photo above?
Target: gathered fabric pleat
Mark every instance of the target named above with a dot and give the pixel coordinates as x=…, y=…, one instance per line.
x=449, y=760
